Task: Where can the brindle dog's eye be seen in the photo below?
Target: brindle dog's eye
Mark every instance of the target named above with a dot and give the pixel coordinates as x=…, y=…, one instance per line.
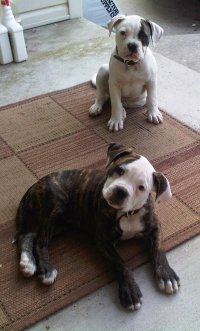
x=119, y=170
x=141, y=188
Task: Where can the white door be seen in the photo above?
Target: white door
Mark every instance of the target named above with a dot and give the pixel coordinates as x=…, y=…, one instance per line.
x=41, y=12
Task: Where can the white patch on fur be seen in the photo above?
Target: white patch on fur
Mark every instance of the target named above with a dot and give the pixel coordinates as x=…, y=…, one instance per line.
x=137, y=306
x=27, y=266
x=175, y=285
x=50, y=280
x=169, y=286
x=161, y=284
x=132, y=225
x=138, y=172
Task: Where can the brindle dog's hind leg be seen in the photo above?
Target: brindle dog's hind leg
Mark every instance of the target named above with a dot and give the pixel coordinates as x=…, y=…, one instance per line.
x=46, y=271
x=27, y=261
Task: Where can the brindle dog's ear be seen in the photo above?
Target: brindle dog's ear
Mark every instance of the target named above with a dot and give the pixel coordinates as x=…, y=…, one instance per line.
x=115, y=151
x=162, y=187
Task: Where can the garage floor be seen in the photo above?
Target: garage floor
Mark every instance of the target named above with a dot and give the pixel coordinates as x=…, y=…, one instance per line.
x=68, y=53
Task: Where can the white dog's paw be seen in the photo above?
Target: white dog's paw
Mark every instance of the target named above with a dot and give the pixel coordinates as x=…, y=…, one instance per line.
x=154, y=116
x=95, y=109
x=27, y=265
x=116, y=121
x=115, y=124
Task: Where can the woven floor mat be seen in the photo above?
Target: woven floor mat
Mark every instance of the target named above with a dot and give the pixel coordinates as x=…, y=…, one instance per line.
x=52, y=132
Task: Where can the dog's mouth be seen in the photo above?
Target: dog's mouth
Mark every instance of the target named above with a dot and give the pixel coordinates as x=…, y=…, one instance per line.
x=132, y=56
x=115, y=206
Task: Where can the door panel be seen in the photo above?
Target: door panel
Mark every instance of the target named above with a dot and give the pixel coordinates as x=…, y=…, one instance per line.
x=29, y=5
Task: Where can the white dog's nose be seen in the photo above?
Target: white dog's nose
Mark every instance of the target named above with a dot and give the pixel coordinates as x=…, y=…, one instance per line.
x=132, y=47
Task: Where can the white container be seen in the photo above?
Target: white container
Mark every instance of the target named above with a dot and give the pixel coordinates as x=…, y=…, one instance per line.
x=16, y=34
x=5, y=49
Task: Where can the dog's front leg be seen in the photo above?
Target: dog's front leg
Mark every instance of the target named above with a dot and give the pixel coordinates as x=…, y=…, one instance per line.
x=167, y=279
x=129, y=292
x=118, y=113
x=153, y=113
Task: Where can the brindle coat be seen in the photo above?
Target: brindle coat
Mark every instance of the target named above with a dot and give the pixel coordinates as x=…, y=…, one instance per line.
x=74, y=197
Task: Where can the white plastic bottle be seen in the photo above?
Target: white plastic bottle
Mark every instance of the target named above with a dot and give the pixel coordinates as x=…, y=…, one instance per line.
x=15, y=32
x=5, y=49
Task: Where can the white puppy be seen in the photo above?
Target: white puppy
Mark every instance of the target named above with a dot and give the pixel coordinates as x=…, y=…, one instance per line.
x=130, y=78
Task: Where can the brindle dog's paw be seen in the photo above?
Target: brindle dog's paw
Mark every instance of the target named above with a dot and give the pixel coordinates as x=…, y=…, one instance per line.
x=167, y=280
x=27, y=264
x=130, y=295
x=48, y=274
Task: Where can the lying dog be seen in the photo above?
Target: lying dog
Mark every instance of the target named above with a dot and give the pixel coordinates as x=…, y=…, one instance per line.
x=110, y=205
x=131, y=72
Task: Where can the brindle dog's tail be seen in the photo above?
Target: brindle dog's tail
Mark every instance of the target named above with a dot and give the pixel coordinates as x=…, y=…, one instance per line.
x=17, y=221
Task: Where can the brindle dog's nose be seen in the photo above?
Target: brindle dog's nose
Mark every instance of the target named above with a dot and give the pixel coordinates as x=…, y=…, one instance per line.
x=132, y=47
x=119, y=194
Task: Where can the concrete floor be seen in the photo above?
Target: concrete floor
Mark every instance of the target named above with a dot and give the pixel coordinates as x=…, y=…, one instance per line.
x=68, y=53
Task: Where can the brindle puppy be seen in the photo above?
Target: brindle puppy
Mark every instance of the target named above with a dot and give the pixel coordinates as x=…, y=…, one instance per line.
x=109, y=205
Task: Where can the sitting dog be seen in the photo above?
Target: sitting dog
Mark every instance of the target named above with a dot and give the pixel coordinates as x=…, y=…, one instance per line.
x=131, y=73
x=109, y=205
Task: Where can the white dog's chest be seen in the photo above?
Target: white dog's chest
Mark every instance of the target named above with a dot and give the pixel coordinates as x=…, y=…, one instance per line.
x=132, y=89
x=131, y=225
x=132, y=82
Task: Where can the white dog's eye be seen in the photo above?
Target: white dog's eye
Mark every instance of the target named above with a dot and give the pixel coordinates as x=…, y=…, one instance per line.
x=123, y=32
x=141, y=188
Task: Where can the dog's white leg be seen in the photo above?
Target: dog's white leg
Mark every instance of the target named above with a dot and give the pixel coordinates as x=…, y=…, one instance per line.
x=118, y=113
x=27, y=260
x=102, y=90
x=27, y=264
x=154, y=115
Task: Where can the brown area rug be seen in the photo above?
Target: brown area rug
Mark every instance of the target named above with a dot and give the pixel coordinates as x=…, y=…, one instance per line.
x=53, y=132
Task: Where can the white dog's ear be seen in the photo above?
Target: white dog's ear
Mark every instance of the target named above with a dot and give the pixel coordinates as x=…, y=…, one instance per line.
x=114, y=21
x=161, y=187
x=156, y=32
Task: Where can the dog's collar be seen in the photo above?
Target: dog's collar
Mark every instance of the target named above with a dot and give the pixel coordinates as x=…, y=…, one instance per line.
x=126, y=62
x=130, y=213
